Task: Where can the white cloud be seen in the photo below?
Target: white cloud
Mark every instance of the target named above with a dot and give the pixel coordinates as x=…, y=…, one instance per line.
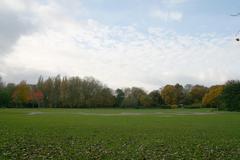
x=14, y=22
x=118, y=56
x=13, y=4
x=167, y=15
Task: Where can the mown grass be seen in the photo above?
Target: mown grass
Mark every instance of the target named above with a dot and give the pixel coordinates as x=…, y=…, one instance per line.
x=117, y=134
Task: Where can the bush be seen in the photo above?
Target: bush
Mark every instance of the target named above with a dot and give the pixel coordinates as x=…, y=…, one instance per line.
x=193, y=106
x=174, y=106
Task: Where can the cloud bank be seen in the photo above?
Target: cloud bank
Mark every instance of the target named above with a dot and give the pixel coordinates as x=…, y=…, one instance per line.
x=119, y=56
x=14, y=22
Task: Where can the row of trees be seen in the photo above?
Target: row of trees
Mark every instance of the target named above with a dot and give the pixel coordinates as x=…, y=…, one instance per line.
x=75, y=92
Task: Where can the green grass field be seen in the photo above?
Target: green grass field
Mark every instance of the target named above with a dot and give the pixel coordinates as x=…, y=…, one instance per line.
x=119, y=134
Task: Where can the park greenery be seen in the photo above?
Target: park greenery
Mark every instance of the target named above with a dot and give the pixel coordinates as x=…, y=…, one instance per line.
x=94, y=134
x=76, y=92
x=36, y=122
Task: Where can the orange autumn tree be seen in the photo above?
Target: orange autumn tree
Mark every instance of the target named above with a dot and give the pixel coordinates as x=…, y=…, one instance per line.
x=38, y=97
x=22, y=94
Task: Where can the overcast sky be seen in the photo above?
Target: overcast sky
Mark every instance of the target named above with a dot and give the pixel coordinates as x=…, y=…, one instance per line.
x=145, y=43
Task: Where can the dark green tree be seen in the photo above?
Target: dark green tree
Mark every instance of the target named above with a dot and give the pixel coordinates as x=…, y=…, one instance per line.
x=197, y=93
x=5, y=94
x=119, y=97
x=156, y=98
x=230, y=98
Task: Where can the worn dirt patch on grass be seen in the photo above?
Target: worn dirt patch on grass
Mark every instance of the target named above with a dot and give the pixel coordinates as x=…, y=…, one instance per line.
x=143, y=114
x=35, y=113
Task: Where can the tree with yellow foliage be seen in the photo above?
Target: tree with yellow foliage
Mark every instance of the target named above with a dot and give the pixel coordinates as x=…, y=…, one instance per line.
x=22, y=94
x=172, y=94
x=211, y=98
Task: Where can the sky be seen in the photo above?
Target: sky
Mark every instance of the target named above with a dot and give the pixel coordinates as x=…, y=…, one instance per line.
x=123, y=43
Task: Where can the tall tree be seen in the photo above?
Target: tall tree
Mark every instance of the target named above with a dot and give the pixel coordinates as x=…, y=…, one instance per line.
x=212, y=97
x=119, y=97
x=56, y=90
x=38, y=97
x=146, y=101
x=9, y=89
x=138, y=93
x=133, y=96
x=168, y=95
x=1, y=83
x=172, y=94
x=64, y=94
x=40, y=83
x=48, y=91
x=22, y=94
x=106, y=98
x=179, y=93
x=156, y=98
x=231, y=96
x=197, y=92
x=5, y=96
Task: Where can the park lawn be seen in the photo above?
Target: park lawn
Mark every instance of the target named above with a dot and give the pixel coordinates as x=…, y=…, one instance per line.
x=119, y=134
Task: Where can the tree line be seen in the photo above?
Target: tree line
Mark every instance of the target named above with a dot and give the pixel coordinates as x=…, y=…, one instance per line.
x=76, y=92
